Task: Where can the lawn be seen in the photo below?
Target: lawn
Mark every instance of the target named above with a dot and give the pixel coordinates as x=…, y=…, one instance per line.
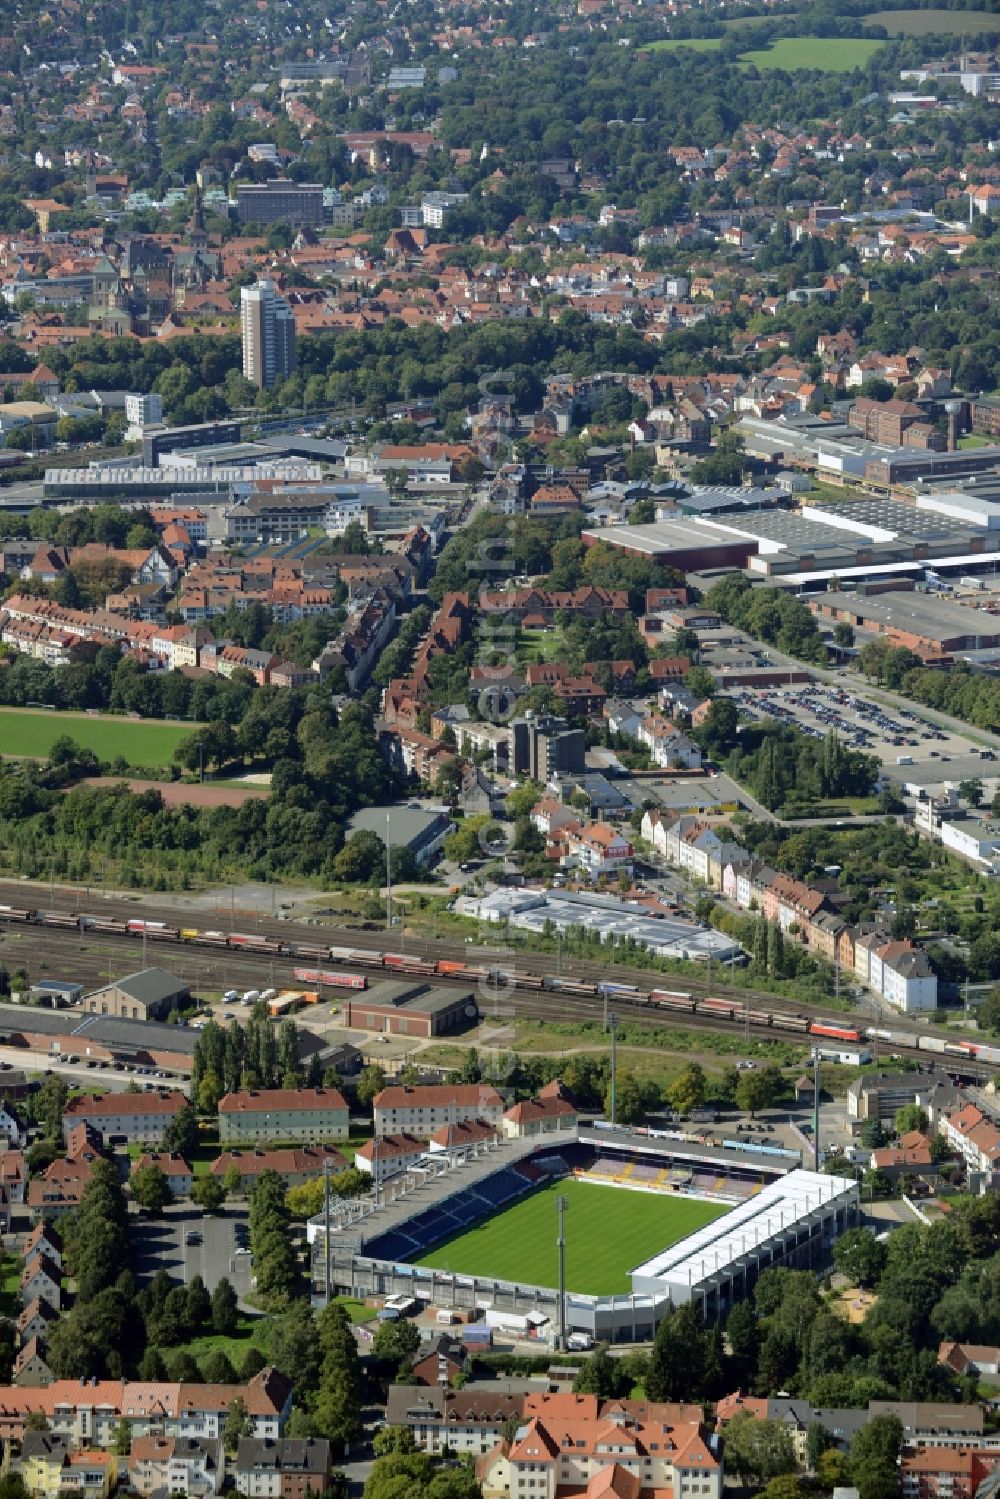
x=825, y=54
x=519, y=1244
x=934, y=22
x=693, y=44
x=140, y=741
x=540, y=645
x=251, y=1332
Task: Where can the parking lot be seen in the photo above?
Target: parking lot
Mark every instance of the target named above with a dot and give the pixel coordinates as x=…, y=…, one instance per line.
x=891, y=733
x=163, y=1244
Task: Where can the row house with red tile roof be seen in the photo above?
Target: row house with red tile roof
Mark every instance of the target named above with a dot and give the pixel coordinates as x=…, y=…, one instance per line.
x=945, y=1472
x=91, y=1412
x=296, y=1164
x=300, y=1114
x=420, y=1110
x=540, y=606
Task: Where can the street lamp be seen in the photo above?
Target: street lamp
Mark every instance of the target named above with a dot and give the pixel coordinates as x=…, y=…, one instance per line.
x=562, y=1203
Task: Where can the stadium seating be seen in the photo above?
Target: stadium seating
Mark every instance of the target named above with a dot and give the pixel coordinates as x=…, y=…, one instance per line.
x=474, y=1202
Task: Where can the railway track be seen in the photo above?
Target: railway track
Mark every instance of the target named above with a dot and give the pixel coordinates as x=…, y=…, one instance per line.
x=213, y=957
x=25, y=893
x=65, y=953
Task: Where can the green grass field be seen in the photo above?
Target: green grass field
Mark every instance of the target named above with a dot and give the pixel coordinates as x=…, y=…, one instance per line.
x=141, y=742
x=541, y=645
x=609, y=1230
x=934, y=22
x=694, y=44
x=825, y=54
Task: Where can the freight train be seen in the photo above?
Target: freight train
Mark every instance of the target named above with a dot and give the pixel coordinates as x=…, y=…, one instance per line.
x=735, y=1011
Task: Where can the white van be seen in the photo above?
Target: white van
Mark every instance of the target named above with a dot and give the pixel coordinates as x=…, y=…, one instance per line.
x=579, y=1342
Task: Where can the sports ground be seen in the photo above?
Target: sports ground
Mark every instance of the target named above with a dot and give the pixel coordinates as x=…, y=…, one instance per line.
x=609, y=1231
x=139, y=741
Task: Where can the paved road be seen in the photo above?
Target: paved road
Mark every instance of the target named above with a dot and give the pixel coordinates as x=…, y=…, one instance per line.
x=160, y=1244
x=106, y=1078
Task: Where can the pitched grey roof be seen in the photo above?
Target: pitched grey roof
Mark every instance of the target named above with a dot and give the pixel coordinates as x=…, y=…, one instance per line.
x=283, y=1455
x=150, y=985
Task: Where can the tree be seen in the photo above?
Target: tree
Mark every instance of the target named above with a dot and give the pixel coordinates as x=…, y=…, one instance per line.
x=600, y=1374
x=224, y=1308
x=754, y=1091
x=686, y=1092
x=718, y=731
x=910, y=1117
x=150, y=1188
x=818, y=1441
x=199, y=1304
x=218, y=1369
x=337, y=1407
x=758, y=1450
x=859, y=1255
x=843, y=634
x=208, y=1193
x=50, y=1105
x=677, y=1362
x=209, y=1093
x=875, y=1457
x=971, y=791
x=252, y=1363
x=396, y=1342
x=371, y=1081
x=743, y=1336
x=293, y=1347
x=878, y=1441
x=152, y=1367
x=635, y=1097
x=785, y=1486
x=238, y=1424
x=181, y=1134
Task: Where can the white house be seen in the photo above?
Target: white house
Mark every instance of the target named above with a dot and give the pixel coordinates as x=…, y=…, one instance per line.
x=667, y=745
x=388, y=1155
x=598, y=849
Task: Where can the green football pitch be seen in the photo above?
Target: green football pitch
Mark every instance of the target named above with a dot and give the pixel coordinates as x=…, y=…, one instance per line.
x=609, y=1230
x=140, y=741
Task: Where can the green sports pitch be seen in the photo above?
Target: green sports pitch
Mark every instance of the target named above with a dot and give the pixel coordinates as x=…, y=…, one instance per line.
x=609, y=1231
x=141, y=742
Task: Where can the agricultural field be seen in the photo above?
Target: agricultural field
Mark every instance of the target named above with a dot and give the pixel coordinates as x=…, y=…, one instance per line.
x=152, y=742
x=519, y=1244
x=822, y=53
x=934, y=22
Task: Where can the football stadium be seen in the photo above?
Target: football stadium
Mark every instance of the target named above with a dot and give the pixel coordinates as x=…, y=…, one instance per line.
x=650, y=1221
